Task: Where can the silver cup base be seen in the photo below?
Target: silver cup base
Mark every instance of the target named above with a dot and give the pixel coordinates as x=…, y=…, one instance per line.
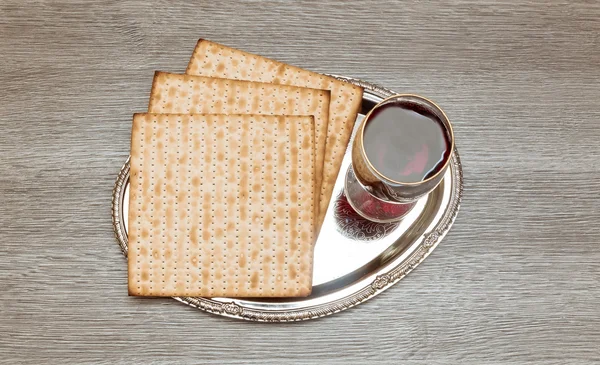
x=370, y=206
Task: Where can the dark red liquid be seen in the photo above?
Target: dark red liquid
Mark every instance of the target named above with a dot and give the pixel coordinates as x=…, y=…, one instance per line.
x=406, y=142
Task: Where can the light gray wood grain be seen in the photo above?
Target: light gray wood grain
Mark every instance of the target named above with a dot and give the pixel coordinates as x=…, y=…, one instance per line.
x=516, y=281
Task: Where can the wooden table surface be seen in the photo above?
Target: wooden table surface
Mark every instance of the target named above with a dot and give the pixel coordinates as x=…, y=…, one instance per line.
x=516, y=281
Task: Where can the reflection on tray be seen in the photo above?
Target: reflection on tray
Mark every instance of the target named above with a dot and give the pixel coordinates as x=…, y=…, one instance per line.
x=350, y=224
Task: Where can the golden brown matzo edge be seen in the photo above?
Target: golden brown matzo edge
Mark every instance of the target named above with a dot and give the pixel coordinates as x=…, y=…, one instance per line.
x=164, y=95
x=133, y=189
x=133, y=289
x=343, y=93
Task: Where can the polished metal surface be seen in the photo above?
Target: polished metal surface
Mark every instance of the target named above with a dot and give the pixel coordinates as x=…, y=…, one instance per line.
x=354, y=259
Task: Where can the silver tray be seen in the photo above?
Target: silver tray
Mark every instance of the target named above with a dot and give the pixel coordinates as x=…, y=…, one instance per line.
x=354, y=259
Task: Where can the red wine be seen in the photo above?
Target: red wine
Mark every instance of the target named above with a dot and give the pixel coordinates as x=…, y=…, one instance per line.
x=406, y=142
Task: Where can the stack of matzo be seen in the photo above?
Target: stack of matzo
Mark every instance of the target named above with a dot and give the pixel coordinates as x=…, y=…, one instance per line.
x=172, y=93
x=230, y=179
x=216, y=60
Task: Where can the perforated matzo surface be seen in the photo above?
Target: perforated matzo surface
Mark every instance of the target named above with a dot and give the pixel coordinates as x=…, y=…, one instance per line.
x=173, y=93
x=212, y=59
x=221, y=205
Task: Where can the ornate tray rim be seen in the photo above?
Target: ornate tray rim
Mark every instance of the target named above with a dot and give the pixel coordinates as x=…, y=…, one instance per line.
x=382, y=282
